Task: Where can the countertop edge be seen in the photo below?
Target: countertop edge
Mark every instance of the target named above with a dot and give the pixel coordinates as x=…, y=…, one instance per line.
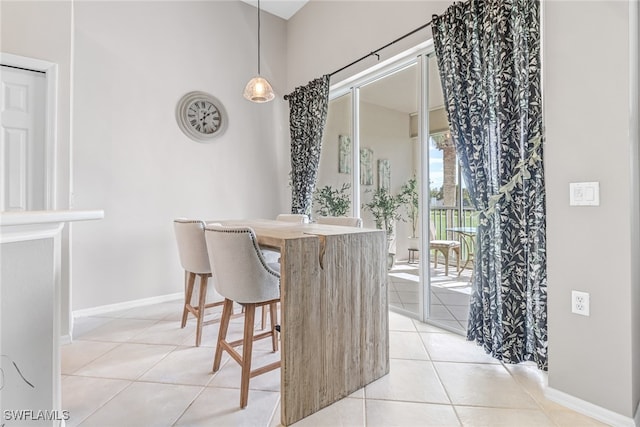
x=45, y=217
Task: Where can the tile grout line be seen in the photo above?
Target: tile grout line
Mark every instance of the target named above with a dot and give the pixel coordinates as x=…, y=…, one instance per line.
x=202, y=389
x=435, y=370
x=106, y=402
x=540, y=407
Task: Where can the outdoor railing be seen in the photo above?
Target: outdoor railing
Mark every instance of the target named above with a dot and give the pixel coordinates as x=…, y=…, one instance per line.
x=444, y=217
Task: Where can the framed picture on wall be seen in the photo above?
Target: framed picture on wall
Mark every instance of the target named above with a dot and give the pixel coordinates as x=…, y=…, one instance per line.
x=366, y=166
x=344, y=154
x=384, y=174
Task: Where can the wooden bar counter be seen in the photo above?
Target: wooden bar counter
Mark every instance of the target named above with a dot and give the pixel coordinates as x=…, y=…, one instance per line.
x=334, y=318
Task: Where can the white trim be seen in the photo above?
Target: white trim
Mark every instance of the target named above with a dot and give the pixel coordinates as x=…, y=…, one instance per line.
x=70, y=157
x=56, y=356
x=355, y=151
x=419, y=56
x=45, y=217
x=51, y=147
x=398, y=61
x=424, y=202
x=109, y=308
x=23, y=233
x=25, y=62
x=589, y=409
x=634, y=145
x=51, y=116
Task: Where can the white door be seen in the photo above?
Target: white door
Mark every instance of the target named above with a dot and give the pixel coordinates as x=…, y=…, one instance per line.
x=22, y=140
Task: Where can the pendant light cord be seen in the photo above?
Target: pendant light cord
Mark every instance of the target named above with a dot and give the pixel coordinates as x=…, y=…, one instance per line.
x=258, y=37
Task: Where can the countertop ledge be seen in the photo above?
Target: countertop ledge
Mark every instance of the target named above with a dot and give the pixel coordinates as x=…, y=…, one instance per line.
x=44, y=217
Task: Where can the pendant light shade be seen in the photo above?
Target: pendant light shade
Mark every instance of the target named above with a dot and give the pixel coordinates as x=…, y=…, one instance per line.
x=258, y=89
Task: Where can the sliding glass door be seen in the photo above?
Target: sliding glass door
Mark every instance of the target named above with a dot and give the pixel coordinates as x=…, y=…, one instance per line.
x=334, y=195
x=449, y=273
x=390, y=166
x=385, y=150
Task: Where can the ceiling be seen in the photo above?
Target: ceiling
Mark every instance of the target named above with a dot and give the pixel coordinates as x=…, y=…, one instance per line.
x=285, y=9
x=398, y=91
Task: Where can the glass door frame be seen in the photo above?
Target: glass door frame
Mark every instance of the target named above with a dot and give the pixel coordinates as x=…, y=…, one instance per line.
x=419, y=56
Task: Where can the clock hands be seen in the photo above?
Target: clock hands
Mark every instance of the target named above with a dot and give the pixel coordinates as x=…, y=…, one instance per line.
x=215, y=118
x=200, y=116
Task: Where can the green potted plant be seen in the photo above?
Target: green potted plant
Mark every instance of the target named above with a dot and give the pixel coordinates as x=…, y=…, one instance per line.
x=333, y=202
x=385, y=209
x=411, y=201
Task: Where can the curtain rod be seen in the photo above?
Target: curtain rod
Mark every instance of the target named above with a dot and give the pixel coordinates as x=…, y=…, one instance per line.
x=375, y=52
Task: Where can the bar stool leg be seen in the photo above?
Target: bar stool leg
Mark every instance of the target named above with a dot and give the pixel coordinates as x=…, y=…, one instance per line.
x=190, y=279
x=247, y=347
x=274, y=321
x=227, y=310
x=202, y=301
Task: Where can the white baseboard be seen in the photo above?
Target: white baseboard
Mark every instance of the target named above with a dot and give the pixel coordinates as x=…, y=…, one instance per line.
x=589, y=409
x=65, y=339
x=103, y=309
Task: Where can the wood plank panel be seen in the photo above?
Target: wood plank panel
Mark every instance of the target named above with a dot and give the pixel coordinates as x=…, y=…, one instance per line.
x=301, y=332
x=343, y=328
x=334, y=309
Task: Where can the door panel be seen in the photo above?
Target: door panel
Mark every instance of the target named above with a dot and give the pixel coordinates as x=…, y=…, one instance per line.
x=450, y=285
x=389, y=162
x=22, y=140
x=400, y=143
x=334, y=189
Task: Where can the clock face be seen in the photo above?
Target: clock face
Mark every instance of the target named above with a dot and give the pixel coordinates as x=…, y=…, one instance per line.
x=201, y=116
x=204, y=116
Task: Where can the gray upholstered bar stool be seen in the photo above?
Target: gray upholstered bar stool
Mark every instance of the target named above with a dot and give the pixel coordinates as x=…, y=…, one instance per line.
x=272, y=256
x=194, y=258
x=242, y=275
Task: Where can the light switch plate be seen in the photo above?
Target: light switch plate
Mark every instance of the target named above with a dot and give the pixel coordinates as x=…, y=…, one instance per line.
x=584, y=194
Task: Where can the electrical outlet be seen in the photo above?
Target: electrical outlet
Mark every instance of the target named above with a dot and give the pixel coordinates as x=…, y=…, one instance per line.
x=580, y=303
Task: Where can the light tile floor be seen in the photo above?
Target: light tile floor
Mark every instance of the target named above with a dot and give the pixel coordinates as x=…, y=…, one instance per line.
x=138, y=368
x=449, y=294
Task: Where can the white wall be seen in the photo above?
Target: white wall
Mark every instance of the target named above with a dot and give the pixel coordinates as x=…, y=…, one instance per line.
x=133, y=61
x=42, y=30
x=586, y=72
x=325, y=35
x=338, y=123
x=634, y=138
x=386, y=132
x=587, y=129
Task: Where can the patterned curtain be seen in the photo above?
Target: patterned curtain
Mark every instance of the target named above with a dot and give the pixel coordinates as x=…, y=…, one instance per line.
x=308, y=115
x=488, y=55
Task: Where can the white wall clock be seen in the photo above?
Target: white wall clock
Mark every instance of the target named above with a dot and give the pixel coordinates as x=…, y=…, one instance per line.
x=201, y=116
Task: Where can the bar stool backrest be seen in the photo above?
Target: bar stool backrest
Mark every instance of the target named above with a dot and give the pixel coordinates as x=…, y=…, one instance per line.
x=240, y=271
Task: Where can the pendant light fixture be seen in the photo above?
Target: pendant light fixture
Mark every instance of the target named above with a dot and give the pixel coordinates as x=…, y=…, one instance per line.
x=258, y=89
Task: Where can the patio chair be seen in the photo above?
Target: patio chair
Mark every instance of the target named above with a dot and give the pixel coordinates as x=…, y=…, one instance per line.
x=445, y=247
